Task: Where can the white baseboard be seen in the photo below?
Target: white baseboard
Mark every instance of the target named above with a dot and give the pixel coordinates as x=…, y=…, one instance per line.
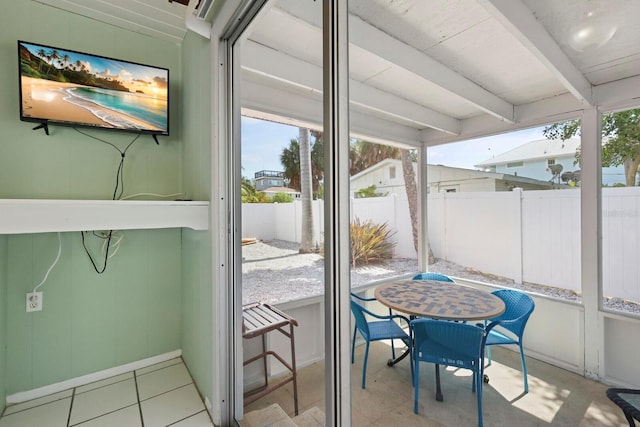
x=36, y=393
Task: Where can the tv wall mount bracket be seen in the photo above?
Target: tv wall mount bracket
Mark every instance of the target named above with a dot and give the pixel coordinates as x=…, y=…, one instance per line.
x=45, y=127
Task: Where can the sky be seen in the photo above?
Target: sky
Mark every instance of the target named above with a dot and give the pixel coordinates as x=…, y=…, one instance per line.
x=263, y=142
x=467, y=154
x=148, y=79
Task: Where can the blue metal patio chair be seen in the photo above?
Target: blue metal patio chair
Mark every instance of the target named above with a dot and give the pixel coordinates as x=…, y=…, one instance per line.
x=355, y=327
x=519, y=307
x=433, y=276
x=451, y=344
x=359, y=298
x=385, y=328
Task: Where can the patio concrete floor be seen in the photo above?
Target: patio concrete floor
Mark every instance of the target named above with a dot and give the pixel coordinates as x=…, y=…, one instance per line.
x=556, y=397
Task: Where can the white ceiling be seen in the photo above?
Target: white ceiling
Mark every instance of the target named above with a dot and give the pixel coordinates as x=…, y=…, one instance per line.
x=427, y=71
x=155, y=18
x=442, y=70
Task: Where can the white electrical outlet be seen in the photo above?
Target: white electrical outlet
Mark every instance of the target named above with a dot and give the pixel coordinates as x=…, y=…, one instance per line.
x=34, y=301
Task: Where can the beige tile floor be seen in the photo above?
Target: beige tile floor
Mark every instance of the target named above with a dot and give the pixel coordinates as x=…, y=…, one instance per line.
x=166, y=396
x=159, y=395
x=556, y=397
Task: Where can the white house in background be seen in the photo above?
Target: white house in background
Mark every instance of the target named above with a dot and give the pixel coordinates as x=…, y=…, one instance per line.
x=388, y=178
x=540, y=159
x=385, y=175
x=272, y=191
x=450, y=179
x=273, y=182
x=265, y=179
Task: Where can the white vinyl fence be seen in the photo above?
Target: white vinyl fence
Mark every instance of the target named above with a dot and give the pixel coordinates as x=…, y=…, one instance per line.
x=527, y=236
x=282, y=221
x=620, y=242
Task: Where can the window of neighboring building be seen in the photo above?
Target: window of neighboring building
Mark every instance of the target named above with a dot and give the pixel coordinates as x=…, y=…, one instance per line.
x=515, y=164
x=551, y=162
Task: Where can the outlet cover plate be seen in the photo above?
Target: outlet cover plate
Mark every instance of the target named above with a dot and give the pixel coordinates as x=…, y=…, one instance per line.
x=34, y=301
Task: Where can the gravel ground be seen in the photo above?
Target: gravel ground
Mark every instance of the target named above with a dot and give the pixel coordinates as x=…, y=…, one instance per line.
x=273, y=271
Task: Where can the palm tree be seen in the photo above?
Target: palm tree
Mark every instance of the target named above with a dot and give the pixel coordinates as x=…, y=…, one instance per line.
x=249, y=193
x=52, y=57
x=364, y=154
x=317, y=162
x=411, y=188
x=290, y=160
x=65, y=61
x=42, y=54
x=307, y=243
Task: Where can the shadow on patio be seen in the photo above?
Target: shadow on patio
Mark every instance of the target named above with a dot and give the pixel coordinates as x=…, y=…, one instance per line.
x=556, y=397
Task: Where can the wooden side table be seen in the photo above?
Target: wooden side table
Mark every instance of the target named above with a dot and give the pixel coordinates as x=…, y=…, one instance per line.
x=257, y=320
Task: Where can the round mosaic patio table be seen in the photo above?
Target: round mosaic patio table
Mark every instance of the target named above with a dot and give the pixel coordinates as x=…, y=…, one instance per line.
x=439, y=300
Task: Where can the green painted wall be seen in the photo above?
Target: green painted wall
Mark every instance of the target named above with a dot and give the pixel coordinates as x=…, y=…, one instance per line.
x=3, y=321
x=89, y=322
x=197, y=334
x=68, y=165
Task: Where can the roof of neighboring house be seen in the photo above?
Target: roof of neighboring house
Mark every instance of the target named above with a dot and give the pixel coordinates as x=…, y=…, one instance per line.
x=279, y=190
x=535, y=150
x=434, y=173
x=457, y=174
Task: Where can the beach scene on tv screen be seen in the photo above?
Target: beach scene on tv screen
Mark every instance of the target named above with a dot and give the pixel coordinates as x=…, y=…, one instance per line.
x=71, y=87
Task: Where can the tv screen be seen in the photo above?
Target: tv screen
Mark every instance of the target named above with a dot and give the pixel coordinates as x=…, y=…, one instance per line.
x=60, y=86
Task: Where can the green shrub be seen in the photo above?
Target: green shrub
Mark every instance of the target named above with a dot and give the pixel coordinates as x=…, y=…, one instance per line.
x=251, y=195
x=370, y=191
x=282, y=198
x=370, y=242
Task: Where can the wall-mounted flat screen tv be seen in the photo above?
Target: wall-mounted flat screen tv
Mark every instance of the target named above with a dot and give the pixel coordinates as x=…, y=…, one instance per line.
x=65, y=87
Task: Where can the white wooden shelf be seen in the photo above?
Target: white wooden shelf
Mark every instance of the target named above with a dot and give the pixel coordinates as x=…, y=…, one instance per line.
x=19, y=216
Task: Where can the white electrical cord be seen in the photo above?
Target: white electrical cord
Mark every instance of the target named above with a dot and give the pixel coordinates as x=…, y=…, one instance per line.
x=116, y=238
x=52, y=265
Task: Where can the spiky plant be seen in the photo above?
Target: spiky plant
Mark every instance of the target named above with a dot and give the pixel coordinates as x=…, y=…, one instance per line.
x=370, y=242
